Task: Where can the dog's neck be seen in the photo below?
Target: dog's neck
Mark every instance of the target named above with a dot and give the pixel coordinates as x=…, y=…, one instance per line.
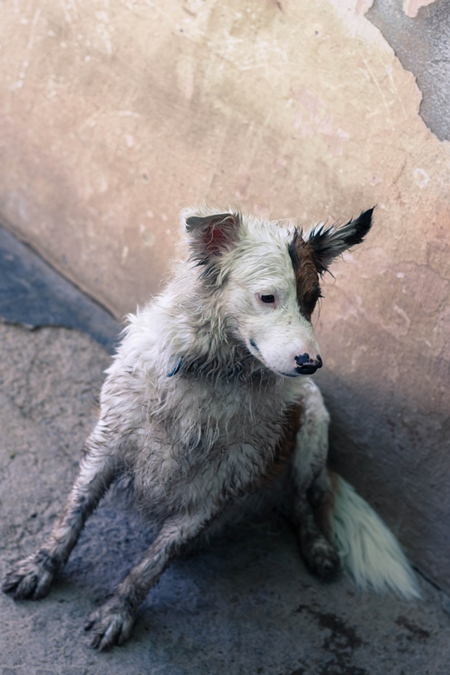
x=214, y=349
x=237, y=364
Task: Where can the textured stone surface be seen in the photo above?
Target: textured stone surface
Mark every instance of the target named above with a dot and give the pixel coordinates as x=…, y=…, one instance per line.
x=245, y=606
x=112, y=119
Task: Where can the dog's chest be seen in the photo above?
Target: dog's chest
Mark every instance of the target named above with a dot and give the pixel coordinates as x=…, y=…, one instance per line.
x=208, y=441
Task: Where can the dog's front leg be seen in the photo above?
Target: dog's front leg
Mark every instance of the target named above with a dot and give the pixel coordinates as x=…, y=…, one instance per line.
x=112, y=623
x=32, y=577
x=312, y=490
x=309, y=517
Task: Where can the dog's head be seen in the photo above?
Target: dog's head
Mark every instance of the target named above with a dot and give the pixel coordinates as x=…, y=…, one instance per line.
x=265, y=280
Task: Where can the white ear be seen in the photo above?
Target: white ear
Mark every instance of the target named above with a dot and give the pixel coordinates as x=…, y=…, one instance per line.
x=211, y=234
x=328, y=243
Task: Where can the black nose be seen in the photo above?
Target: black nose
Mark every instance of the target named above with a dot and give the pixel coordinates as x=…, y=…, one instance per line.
x=307, y=365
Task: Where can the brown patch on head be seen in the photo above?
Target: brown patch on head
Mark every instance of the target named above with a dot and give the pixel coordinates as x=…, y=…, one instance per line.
x=306, y=274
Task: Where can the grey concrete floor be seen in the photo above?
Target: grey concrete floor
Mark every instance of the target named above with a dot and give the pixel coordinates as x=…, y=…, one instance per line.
x=245, y=606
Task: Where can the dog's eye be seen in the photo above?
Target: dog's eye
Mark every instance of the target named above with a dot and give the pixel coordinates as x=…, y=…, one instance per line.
x=268, y=299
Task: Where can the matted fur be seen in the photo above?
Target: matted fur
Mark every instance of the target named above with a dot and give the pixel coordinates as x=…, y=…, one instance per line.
x=206, y=412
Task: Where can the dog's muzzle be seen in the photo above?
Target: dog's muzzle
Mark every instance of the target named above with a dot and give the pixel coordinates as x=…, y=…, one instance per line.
x=307, y=365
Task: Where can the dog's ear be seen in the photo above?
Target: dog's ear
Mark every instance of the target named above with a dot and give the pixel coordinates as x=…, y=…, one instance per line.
x=212, y=235
x=328, y=243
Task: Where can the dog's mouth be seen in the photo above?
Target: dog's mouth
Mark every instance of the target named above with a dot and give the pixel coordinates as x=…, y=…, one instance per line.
x=307, y=370
x=254, y=345
x=307, y=365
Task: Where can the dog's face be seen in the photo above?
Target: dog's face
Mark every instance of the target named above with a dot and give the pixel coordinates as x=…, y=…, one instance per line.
x=265, y=278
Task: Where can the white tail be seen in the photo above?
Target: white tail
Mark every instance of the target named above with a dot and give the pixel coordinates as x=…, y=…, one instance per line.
x=368, y=550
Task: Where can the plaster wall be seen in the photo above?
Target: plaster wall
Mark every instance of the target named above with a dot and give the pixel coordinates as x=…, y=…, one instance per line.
x=115, y=114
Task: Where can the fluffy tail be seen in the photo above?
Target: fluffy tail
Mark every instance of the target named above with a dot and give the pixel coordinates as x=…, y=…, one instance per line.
x=369, y=552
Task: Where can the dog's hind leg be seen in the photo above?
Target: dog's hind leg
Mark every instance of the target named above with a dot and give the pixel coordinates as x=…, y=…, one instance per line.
x=112, y=623
x=32, y=577
x=335, y=526
x=312, y=494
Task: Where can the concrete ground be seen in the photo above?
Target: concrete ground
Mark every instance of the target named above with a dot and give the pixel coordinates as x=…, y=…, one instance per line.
x=245, y=606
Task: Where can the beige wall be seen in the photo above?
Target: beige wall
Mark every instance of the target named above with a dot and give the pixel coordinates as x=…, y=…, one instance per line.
x=115, y=114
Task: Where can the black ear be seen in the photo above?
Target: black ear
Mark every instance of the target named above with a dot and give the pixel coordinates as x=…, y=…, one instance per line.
x=213, y=234
x=328, y=243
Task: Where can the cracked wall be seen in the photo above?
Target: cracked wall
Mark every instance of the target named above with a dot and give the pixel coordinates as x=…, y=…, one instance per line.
x=113, y=119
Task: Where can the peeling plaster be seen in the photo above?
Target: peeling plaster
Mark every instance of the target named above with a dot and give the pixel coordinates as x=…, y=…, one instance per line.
x=421, y=41
x=363, y=6
x=411, y=7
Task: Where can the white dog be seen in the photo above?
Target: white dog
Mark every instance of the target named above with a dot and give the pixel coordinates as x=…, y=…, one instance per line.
x=207, y=408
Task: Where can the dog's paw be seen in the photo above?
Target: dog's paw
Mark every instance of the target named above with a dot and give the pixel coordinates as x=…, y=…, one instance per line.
x=322, y=560
x=31, y=578
x=110, y=625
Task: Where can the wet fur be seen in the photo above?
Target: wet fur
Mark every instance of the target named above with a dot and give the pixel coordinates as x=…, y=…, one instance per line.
x=206, y=412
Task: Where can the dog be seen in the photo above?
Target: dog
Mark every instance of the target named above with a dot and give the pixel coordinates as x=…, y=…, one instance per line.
x=208, y=412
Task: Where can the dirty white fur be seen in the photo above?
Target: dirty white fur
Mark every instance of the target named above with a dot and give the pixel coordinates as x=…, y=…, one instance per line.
x=368, y=550
x=194, y=411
